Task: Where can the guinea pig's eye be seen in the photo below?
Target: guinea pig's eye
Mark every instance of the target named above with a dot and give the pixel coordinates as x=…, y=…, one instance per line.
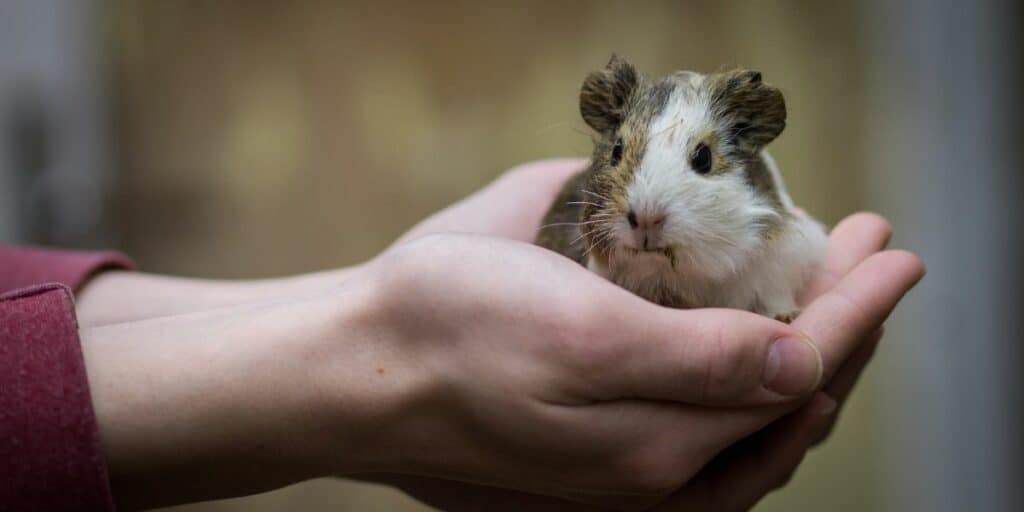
x=701, y=159
x=616, y=153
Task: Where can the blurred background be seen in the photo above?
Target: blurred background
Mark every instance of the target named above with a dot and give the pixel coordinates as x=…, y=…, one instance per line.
x=261, y=138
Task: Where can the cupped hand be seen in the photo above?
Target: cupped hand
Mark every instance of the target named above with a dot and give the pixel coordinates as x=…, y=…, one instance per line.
x=534, y=374
x=512, y=206
x=557, y=382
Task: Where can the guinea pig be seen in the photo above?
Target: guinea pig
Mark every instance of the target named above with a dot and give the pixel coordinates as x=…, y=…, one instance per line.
x=680, y=203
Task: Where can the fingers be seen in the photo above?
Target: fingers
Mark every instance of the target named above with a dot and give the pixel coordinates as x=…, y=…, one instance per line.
x=837, y=322
x=720, y=358
x=842, y=383
x=461, y=496
x=858, y=304
x=852, y=240
x=708, y=357
x=745, y=474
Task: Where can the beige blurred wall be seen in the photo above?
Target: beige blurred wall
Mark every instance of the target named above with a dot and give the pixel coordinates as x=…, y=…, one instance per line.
x=265, y=138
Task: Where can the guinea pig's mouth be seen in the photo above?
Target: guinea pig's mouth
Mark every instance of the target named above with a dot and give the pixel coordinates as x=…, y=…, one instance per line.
x=668, y=252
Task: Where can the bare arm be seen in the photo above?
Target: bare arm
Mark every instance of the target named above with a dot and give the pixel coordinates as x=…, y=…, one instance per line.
x=121, y=296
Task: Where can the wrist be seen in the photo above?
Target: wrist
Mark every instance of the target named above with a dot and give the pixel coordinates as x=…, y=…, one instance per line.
x=372, y=382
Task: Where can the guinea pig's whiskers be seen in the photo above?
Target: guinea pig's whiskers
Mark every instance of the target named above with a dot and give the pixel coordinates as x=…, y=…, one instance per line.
x=584, y=202
x=595, y=243
x=561, y=124
x=579, y=130
x=555, y=224
x=589, y=249
x=600, y=229
x=604, y=238
x=544, y=129
x=595, y=194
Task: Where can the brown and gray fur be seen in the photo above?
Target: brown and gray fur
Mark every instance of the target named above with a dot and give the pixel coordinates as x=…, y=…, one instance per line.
x=741, y=114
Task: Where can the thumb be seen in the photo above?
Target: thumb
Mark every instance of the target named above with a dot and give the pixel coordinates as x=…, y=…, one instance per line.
x=711, y=357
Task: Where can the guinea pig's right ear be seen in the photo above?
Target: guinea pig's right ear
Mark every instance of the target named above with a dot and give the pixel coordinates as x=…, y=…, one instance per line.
x=605, y=95
x=755, y=111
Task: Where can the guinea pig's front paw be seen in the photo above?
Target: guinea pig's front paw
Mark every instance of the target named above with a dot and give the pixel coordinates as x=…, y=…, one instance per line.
x=787, y=317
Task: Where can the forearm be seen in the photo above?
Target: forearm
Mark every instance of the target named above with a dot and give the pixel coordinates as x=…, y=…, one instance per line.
x=118, y=296
x=227, y=402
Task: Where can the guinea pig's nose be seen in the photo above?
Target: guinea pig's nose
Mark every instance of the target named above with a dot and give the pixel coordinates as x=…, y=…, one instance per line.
x=645, y=220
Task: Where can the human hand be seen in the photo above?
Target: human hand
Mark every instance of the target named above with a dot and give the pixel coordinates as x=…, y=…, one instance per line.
x=541, y=376
x=875, y=292
x=733, y=481
x=748, y=471
x=513, y=205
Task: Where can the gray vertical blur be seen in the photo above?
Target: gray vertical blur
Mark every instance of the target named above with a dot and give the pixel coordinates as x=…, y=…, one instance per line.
x=52, y=140
x=945, y=165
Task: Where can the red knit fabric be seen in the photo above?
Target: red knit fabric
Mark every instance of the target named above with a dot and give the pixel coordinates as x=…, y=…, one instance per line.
x=50, y=454
x=27, y=266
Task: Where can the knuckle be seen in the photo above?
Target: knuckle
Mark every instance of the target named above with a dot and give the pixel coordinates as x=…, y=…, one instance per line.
x=912, y=260
x=825, y=433
x=783, y=478
x=651, y=472
x=878, y=223
x=856, y=312
x=731, y=366
x=786, y=470
x=652, y=478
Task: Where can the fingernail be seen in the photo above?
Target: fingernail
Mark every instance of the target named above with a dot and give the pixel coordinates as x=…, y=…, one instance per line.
x=793, y=367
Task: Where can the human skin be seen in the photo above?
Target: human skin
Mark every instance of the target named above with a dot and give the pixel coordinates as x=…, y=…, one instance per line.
x=536, y=375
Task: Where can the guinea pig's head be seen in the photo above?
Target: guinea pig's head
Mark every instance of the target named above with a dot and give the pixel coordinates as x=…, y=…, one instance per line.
x=678, y=167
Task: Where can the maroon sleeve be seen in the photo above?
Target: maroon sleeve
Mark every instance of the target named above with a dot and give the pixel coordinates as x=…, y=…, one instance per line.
x=50, y=453
x=26, y=266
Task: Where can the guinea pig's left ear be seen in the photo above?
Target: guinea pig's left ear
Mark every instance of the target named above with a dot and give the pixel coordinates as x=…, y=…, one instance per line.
x=754, y=112
x=605, y=95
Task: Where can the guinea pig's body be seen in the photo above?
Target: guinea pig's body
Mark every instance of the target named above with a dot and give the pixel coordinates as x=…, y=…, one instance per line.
x=681, y=204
